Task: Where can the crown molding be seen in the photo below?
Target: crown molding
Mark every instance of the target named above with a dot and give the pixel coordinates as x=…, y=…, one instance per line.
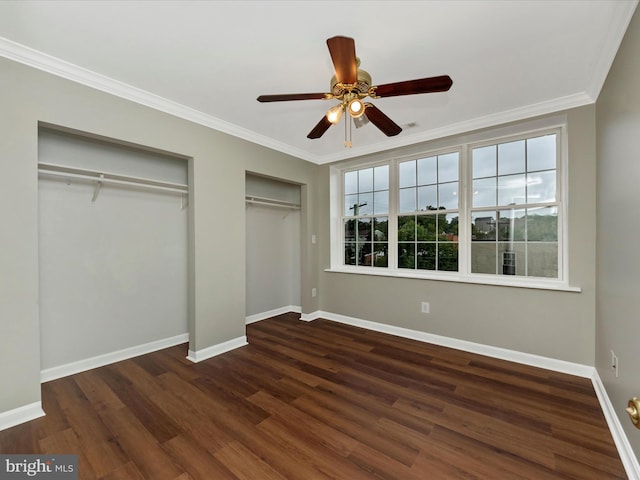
x=609, y=49
x=55, y=66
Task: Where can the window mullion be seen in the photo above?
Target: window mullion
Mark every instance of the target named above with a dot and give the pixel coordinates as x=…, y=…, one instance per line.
x=393, y=214
x=466, y=197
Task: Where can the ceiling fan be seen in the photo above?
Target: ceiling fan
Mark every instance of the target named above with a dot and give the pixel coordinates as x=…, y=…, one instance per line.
x=350, y=85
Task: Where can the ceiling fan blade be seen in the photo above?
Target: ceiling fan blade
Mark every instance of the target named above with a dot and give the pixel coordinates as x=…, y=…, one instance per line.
x=380, y=120
x=413, y=87
x=322, y=126
x=291, y=96
x=343, y=55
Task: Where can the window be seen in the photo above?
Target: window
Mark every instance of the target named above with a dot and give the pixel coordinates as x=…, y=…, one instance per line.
x=470, y=213
x=514, y=215
x=428, y=213
x=365, y=218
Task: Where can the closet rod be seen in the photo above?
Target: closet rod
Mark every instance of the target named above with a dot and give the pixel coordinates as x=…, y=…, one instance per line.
x=102, y=179
x=271, y=202
x=101, y=173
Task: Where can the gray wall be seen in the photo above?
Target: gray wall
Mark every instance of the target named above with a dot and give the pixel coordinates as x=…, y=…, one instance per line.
x=618, y=227
x=217, y=165
x=555, y=324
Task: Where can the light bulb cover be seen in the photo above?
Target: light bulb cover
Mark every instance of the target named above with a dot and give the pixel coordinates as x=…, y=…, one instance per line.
x=334, y=114
x=360, y=121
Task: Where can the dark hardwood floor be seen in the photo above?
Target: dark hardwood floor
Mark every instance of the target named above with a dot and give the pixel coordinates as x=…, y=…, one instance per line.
x=322, y=400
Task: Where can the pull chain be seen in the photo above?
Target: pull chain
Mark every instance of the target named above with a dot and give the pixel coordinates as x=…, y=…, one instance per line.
x=348, y=143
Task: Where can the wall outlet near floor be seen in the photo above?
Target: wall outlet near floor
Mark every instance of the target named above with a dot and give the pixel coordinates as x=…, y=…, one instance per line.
x=314, y=292
x=424, y=307
x=615, y=364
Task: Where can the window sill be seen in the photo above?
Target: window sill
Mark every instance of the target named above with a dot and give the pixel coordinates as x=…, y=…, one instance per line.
x=494, y=280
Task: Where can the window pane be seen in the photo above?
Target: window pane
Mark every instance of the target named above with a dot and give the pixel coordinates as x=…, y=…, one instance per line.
x=381, y=229
x=350, y=182
x=512, y=225
x=483, y=226
x=407, y=200
x=448, y=227
x=365, y=204
x=349, y=230
x=406, y=255
x=381, y=255
x=448, y=257
x=511, y=158
x=542, y=224
x=365, y=180
x=381, y=177
x=542, y=259
x=484, y=162
x=484, y=192
x=406, y=228
x=427, y=171
x=512, y=190
x=428, y=198
x=381, y=202
x=426, y=228
x=541, y=153
x=541, y=187
x=350, y=205
x=364, y=254
x=407, y=174
x=448, y=195
x=426, y=256
x=448, y=166
x=511, y=258
x=364, y=230
x=483, y=258
x=349, y=253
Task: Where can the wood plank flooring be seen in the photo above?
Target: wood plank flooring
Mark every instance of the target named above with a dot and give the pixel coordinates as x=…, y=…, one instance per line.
x=322, y=400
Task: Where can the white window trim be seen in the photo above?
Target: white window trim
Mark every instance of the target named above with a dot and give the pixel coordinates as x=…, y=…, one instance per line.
x=527, y=130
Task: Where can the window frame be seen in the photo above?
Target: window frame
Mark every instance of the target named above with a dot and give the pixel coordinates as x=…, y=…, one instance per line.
x=464, y=148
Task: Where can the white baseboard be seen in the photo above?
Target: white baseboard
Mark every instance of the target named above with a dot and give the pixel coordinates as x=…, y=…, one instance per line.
x=571, y=368
x=199, y=355
x=272, y=313
x=20, y=415
x=108, y=358
x=628, y=457
x=309, y=317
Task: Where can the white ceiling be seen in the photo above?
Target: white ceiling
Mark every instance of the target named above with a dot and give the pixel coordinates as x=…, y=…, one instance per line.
x=207, y=61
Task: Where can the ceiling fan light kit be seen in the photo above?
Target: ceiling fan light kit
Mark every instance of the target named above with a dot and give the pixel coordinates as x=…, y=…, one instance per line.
x=350, y=85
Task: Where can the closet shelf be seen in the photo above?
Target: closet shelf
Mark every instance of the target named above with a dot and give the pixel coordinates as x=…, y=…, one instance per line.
x=250, y=199
x=54, y=170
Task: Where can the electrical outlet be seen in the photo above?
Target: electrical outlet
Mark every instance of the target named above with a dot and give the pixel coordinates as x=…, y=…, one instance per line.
x=615, y=365
x=314, y=292
x=425, y=307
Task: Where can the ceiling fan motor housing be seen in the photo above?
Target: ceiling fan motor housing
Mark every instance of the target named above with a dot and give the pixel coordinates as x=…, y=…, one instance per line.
x=360, y=88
